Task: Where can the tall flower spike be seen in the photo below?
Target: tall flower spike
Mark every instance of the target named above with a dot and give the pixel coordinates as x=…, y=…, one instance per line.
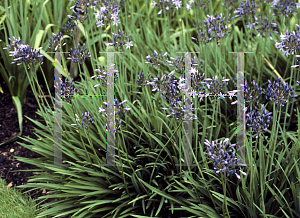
x=78, y=56
x=55, y=41
x=279, y=93
x=259, y=120
x=223, y=157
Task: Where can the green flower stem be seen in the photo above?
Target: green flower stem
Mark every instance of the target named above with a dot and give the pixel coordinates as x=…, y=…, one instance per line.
x=163, y=149
x=224, y=191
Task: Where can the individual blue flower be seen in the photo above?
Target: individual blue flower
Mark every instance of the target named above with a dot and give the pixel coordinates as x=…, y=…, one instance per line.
x=224, y=157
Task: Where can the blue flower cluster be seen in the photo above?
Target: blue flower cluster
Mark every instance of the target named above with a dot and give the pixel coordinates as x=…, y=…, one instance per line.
x=66, y=90
x=78, y=56
x=259, y=120
x=55, y=41
x=290, y=42
x=117, y=112
x=105, y=73
x=224, y=159
x=279, y=93
x=23, y=53
x=86, y=118
x=119, y=40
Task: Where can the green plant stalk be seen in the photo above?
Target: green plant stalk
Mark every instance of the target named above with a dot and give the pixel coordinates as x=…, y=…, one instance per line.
x=224, y=191
x=163, y=149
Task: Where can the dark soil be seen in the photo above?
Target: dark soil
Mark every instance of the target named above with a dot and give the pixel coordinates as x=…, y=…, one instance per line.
x=9, y=127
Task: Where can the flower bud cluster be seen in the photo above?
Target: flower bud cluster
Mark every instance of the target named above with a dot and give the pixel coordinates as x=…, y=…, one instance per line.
x=119, y=40
x=279, y=93
x=105, y=73
x=66, y=90
x=265, y=26
x=215, y=87
x=78, y=56
x=80, y=12
x=247, y=9
x=224, y=160
x=108, y=13
x=215, y=28
x=69, y=28
x=23, y=53
x=86, y=119
x=117, y=112
x=55, y=41
x=252, y=95
x=290, y=42
x=180, y=63
x=284, y=7
x=259, y=120
x=156, y=59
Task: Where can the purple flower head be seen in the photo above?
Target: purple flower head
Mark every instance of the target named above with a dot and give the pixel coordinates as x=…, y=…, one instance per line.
x=215, y=87
x=263, y=26
x=119, y=40
x=168, y=86
x=85, y=121
x=167, y=5
x=24, y=54
x=200, y=4
x=108, y=12
x=223, y=157
x=156, y=59
x=290, y=42
x=179, y=111
x=67, y=90
x=259, y=120
x=55, y=41
x=179, y=63
x=284, y=7
x=279, y=93
x=105, y=73
x=78, y=56
x=117, y=112
x=252, y=94
x=215, y=28
x=69, y=28
x=247, y=9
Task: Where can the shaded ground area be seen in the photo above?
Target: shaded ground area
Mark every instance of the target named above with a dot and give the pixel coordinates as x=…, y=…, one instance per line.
x=9, y=127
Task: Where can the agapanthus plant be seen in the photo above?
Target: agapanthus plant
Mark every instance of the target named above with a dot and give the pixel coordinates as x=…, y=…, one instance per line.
x=247, y=9
x=119, y=40
x=263, y=26
x=105, y=77
x=67, y=89
x=167, y=5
